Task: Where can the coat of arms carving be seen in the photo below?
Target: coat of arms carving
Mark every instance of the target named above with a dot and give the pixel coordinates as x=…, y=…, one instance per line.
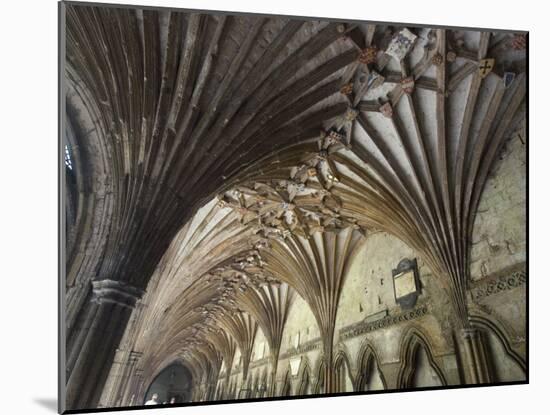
x=486, y=67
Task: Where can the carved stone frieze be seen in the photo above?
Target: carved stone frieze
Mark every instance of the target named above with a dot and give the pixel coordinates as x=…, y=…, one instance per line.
x=498, y=283
x=363, y=327
x=308, y=346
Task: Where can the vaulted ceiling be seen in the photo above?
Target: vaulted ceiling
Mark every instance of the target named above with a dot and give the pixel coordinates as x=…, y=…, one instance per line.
x=231, y=163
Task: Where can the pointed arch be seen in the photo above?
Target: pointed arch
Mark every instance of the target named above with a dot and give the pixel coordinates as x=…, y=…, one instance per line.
x=496, y=336
x=269, y=305
x=316, y=266
x=344, y=376
x=368, y=364
x=415, y=347
x=319, y=371
x=174, y=380
x=286, y=388
x=242, y=327
x=264, y=386
x=304, y=386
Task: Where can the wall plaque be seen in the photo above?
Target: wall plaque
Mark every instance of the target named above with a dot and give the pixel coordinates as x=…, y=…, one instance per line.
x=406, y=283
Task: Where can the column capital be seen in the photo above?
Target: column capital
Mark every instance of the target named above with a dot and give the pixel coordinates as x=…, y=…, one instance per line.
x=115, y=292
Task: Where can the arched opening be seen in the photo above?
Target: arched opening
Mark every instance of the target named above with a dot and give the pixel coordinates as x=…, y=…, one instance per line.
x=263, y=385
x=305, y=383
x=286, y=390
x=175, y=381
x=254, y=392
x=370, y=376
x=505, y=365
x=220, y=163
x=343, y=378
x=418, y=367
x=424, y=374
x=320, y=385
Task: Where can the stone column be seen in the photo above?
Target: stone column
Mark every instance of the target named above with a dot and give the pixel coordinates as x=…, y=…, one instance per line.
x=91, y=353
x=110, y=390
x=330, y=378
x=119, y=377
x=132, y=395
x=475, y=355
x=273, y=387
x=125, y=384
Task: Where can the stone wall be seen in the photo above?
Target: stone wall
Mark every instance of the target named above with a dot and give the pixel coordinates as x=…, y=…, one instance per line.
x=370, y=322
x=500, y=227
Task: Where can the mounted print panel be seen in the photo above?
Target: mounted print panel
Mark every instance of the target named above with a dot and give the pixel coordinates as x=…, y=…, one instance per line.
x=406, y=283
x=259, y=207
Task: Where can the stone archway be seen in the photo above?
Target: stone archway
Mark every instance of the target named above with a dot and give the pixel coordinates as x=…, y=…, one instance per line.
x=305, y=387
x=320, y=384
x=286, y=390
x=370, y=376
x=418, y=366
x=344, y=381
x=503, y=363
x=173, y=381
x=228, y=174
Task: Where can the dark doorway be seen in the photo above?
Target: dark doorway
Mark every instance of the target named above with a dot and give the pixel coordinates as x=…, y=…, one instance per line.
x=175, y=381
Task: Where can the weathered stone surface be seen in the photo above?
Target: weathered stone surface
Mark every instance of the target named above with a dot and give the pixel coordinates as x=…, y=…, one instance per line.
x=242, y=188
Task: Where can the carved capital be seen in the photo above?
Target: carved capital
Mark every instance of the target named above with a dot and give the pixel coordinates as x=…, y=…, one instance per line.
x=115, y=292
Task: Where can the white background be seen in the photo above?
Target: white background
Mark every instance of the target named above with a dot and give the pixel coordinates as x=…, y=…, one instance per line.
x=28, y=204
